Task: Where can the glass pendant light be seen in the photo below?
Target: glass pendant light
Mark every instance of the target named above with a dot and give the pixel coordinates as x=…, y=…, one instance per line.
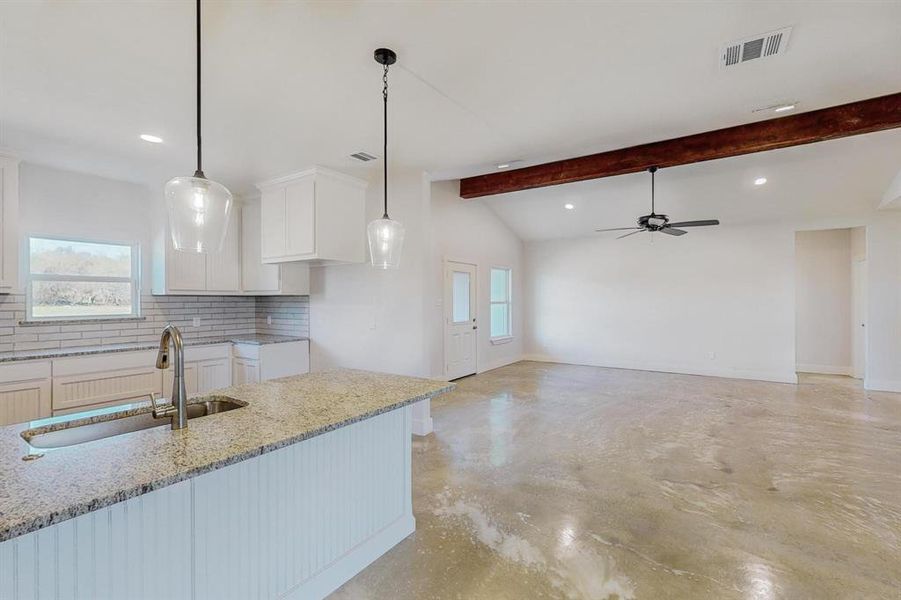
x=386, y=236
x=198, y=208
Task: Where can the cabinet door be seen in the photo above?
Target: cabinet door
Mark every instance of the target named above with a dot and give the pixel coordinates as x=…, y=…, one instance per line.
x=273, y=229
x=255, y=276
x=300, y=202
x=24, y=400
x=190, y=381
x=213, y=374
x=187, y=270
x=9, y=224
x=246, y=371
x=223, y=268
x=113, y=387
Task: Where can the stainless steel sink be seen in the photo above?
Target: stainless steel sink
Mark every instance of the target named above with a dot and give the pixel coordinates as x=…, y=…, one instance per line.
x=82, y=429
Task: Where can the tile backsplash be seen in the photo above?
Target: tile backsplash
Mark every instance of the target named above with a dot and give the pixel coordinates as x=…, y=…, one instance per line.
x=219, y=316
x=289, y=315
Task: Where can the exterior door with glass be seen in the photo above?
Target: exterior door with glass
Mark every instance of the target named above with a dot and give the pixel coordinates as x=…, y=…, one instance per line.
x=460, y=320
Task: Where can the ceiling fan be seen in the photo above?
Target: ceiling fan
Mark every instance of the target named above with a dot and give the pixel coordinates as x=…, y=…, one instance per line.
x=655, y=222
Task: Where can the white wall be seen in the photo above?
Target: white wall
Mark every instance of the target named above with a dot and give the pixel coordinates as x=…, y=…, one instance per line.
x=372, y=319
x=392, y=321
x=470, y=232
x=823, y=301
x=68, y=204
x=719, y=301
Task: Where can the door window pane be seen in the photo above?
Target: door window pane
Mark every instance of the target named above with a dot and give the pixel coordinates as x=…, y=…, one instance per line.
x=460, y=298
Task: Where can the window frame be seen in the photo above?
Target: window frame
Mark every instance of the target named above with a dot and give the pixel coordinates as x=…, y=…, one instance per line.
x=501, y=339
x=134, y=280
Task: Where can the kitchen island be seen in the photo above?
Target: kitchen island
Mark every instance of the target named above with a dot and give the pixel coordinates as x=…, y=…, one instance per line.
x=287, y=496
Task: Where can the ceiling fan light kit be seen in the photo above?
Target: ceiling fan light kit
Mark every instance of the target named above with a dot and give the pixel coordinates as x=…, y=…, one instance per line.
x=660, y=223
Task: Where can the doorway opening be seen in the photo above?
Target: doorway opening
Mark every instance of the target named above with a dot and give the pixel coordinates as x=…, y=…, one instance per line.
x=831, y=301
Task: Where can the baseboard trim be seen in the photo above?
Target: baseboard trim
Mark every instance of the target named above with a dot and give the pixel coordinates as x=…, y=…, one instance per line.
x=500, y=363
x=750, y=374
x=824, y=369
x=882, y=385
x=343, y=569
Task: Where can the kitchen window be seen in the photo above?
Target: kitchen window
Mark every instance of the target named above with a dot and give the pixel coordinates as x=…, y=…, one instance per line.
x=501, y=306
x=77, y=279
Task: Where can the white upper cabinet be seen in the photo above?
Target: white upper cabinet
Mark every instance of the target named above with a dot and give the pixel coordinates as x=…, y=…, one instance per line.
x=9, y=224
x=316, y=216
x=223, y=268
x=266, y=279
x=177, y=272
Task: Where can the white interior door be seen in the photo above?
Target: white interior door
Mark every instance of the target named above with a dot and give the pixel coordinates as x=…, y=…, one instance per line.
x=859, y=317
x=460, y=320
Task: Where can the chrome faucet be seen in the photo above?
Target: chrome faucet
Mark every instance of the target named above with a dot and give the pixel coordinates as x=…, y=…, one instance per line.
x=177, y=409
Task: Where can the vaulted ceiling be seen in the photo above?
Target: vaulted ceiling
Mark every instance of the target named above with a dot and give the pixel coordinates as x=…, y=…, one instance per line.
x=289, y=84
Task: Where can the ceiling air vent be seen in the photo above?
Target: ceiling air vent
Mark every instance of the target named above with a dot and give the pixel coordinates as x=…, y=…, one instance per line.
x=765, y=45
x=363, y=156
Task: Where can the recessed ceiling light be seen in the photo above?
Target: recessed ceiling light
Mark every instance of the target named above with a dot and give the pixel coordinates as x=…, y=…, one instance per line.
x=760, y=181
x=503, y=165
x=569, y=206
x=783, y=108
x=153, y=139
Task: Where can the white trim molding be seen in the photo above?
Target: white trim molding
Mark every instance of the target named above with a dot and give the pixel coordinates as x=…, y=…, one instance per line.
x=825, y=369
x=680, y=369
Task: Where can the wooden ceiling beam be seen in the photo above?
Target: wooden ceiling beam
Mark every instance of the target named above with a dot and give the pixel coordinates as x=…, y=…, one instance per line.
x=865, y=116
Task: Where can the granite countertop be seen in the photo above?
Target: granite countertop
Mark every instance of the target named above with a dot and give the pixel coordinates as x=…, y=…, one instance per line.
x=249, y=338
x=67, y=482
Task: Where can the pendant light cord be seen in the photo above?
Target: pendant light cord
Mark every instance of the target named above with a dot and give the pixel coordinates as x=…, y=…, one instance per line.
x=199, y=171
x=652, y=170
x=385, y=140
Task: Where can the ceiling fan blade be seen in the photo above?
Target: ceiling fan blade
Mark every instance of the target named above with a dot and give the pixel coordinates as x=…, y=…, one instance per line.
x=618, y=229
x=669, y=230
x=695, y=223
x=628, y=234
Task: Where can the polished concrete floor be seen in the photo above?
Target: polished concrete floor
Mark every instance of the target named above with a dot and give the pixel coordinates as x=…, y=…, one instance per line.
x=560, y=481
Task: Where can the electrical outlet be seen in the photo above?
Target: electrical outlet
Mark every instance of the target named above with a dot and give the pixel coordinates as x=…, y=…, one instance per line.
x=711, y=355
x=195, y=321
x=268, y=319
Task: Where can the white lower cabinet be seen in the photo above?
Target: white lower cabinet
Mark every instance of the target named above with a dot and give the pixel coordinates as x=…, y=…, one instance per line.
x=213, y=374
x=25, y=390
x=269, y=361
x=206, y=368
x=190, y=380
x=32, y=390
x=104, y=380
x=246, y=370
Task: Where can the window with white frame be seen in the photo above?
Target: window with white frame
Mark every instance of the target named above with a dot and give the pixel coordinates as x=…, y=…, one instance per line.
x=79, y=279
x=501, y=309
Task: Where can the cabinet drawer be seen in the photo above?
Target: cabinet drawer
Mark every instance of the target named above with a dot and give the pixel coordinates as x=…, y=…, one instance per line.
x=251, y=351
x=104, y=363
x=214, y=352
x=24, y=371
